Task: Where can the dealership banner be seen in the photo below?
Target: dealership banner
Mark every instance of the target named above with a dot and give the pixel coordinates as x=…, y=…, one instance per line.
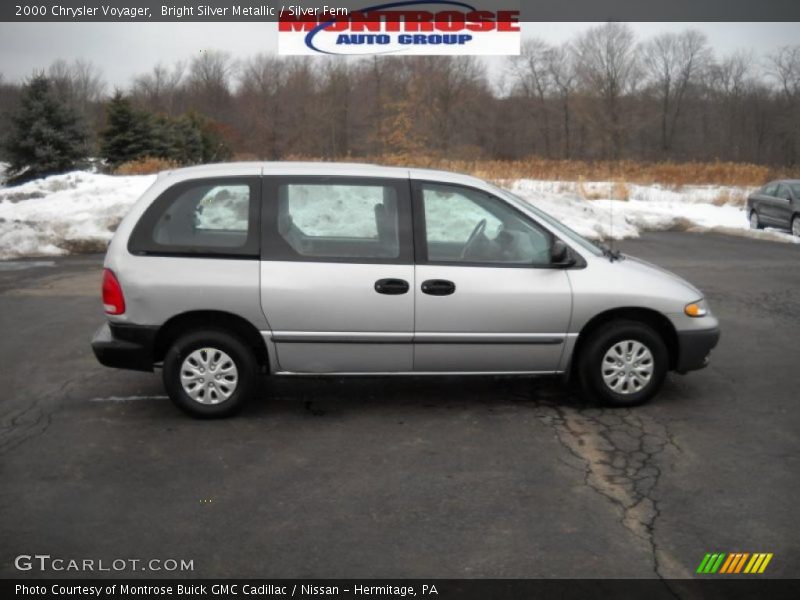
x=406, y=27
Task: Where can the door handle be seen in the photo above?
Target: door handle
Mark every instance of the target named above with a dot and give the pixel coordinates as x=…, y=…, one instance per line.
x=438, y=287
x=392, y=287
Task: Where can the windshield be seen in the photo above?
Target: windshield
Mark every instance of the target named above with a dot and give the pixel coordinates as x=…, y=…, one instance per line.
x=557, y=225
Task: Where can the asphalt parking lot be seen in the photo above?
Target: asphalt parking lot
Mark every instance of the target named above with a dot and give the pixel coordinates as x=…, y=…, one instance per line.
x=419, y=477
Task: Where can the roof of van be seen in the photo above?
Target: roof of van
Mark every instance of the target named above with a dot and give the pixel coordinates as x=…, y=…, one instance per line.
x=321, y=168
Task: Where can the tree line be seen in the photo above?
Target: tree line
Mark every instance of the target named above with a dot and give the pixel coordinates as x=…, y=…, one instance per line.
x=603, y=95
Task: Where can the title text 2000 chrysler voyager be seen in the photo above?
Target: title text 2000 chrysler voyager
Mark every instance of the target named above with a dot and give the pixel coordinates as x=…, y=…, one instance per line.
x=221, y=273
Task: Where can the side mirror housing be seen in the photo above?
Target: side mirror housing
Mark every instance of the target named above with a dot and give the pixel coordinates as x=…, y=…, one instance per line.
x=560, y=256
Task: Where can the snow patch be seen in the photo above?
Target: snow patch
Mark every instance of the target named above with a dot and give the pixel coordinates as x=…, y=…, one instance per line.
x=647, y=208
x=64, y=214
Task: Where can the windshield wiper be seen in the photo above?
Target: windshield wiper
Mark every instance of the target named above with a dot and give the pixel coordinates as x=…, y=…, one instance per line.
x=612, y=255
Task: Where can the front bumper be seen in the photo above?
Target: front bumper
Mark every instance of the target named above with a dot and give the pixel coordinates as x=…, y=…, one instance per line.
x=125, y=346
x=694, y=348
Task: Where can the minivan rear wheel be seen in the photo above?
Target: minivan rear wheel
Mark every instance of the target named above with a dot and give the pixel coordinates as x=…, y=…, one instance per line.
x=209, y=374
x=755, y=222
x=623, y=363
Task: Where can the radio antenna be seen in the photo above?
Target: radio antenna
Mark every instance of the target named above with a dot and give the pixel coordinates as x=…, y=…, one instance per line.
x=611, y=224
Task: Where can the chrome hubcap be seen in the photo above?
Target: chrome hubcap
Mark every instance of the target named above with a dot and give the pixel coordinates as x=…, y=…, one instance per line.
x=754, y=220
x=627, y=367
x=209, y=376
x=796, y=226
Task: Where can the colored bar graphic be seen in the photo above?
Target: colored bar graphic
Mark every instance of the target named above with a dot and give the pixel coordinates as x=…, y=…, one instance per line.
x=754, y=561
x=734, y=563
x=727, y=564
x=703, y=563
x=717, y=563
x=740, y=564
x=764, y=564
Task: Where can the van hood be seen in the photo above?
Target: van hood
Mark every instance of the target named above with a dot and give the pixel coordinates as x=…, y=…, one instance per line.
x=639, y=265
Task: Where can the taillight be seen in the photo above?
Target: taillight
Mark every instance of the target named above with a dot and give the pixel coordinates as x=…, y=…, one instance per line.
x=113, y=300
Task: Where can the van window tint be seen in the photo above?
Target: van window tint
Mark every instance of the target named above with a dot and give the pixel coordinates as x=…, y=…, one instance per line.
x=470, y=226
x=201, y=217
x=770, y=189
x=328, y=220
x=206, y=216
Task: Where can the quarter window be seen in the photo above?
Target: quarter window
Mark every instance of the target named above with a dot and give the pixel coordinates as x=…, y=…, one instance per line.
x=201, y=217
x=470, y=226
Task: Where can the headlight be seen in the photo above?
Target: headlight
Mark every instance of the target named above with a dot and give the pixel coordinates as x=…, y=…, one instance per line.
x=699, y=308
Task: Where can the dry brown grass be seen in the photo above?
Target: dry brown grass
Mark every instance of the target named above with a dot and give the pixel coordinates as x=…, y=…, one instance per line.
x=621, y=173
x=145, y=166
x=727, y=197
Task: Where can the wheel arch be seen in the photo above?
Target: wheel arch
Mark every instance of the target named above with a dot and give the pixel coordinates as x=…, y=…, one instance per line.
x=660, y=323
x=196, y=320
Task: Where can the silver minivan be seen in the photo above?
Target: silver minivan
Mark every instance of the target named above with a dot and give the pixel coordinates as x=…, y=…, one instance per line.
x=220, y=274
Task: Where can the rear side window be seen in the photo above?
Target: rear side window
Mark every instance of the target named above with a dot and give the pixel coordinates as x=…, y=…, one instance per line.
x=770, y=189
x=783, y=192
x=338, y=219
x=202, y=217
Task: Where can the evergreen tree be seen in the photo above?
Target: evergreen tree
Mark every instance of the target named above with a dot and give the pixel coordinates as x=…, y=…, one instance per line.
x=189, y=141
x=165, y=139
x=129, y=133
x=47, y=136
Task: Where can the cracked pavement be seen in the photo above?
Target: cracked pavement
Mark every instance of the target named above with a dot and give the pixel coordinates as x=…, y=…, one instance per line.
x=417, y=477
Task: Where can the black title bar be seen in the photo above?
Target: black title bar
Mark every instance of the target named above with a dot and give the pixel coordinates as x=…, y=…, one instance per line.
x=384, y=589
x=530, y=10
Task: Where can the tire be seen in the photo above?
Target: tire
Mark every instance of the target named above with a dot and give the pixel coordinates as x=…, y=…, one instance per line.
x=795, y=225
x=631, y=386
x=755, y=222
x=220, y=372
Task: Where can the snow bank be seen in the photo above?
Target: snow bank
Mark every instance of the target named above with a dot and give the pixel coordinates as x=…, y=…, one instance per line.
x=78, y=212
x=62, y=214
x=647, y=208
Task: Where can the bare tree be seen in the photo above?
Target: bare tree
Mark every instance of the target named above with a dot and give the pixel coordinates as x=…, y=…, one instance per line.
x=728, y=80
x=209, y=79
x=337, y=89
x=608, y=68
x=159, y=90
x=261, y=80
x=672, y=62
x=534, y=78
x=561, y=67
x=785, y=69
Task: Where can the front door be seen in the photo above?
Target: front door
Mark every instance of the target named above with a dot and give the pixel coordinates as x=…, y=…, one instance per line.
x=783, y=206
x=337, y=274
x=487, y=298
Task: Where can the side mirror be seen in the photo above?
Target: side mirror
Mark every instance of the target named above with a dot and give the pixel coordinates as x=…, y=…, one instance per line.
x=560, y=255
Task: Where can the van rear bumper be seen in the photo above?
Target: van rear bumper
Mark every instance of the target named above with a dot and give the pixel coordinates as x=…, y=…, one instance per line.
x=125, y=346
x=694, y=348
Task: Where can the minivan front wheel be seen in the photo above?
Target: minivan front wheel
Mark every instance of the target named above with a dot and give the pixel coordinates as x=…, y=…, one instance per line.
x=209, y=374
x=623, y=363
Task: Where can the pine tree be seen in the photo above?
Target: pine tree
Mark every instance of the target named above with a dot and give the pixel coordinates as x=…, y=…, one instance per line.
x=47, y=136
x=189, y=141
x=129, y=133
